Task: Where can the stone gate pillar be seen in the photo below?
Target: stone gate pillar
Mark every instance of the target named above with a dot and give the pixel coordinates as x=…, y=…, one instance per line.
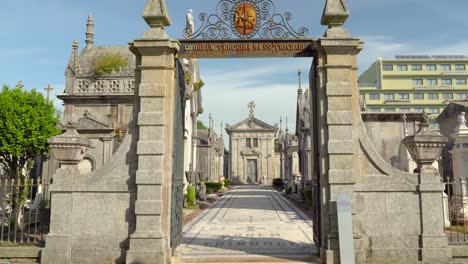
x=155, y=58
x=338, y=117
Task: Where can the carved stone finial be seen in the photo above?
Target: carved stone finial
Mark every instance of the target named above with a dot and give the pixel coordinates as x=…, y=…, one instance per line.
x=90, y=32
x=75, y=45
x=335, y=13
x=221, y=130
x=425, y=117
x=156, y=15
x=299, y=90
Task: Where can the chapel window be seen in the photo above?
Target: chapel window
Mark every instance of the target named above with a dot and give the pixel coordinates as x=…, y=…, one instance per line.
x=255, y=142
x=248, y=143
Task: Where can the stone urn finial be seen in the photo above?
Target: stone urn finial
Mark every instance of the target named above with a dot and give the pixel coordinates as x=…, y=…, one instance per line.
x=69, y=149
x=425, y=147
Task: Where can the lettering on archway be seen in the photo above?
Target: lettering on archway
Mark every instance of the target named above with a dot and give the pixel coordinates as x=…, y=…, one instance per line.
x=246, y=48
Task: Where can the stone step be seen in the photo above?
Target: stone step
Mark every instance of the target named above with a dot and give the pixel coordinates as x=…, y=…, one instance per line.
x=247, y=260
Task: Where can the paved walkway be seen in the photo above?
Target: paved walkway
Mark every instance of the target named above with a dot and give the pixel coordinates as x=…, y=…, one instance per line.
x=250, y=223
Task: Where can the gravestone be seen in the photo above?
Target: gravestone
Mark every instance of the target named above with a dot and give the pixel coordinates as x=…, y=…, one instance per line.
x=345, y=229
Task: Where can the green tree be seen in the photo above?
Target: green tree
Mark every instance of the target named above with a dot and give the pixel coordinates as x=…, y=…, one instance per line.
x=27, y=121
x=200, y=125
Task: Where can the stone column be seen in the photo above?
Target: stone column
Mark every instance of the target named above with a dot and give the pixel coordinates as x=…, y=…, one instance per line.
x=425, y=147
x=338, y=118
x=106, y=149
x=155, y=58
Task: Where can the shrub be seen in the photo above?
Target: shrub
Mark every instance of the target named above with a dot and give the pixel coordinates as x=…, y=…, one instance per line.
x=108, y=63
x=227, y=183
x=212, y=187
x=197, y=86
x=278, y=183
x=191, y=200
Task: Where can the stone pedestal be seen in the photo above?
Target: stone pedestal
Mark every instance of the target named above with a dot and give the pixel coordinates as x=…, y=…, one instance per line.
x=69, y=149
x=202, y=193
x=425, y=148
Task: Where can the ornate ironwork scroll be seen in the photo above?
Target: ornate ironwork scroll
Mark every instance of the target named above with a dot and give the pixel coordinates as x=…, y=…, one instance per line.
x=245, y=19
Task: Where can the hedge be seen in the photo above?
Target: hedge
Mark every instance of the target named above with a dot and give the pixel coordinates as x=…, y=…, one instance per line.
x=227, y=183
x=212, y=187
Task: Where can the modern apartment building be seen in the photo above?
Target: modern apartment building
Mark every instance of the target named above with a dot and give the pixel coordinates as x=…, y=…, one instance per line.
x=414, y=83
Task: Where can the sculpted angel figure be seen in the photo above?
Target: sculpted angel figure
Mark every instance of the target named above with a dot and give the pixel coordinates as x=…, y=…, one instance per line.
x=461, y=119
x=190, y=26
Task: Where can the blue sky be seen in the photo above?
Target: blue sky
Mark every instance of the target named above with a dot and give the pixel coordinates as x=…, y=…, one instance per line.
x=36, y=37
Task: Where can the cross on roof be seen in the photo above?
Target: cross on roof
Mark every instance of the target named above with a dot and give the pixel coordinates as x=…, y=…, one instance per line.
x=48, y=89
x=251, y=106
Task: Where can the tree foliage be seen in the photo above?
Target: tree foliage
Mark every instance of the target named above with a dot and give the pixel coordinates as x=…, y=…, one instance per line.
x=27, y=121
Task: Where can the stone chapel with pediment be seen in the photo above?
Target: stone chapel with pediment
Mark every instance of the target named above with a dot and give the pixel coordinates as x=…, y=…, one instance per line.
x=252, y=147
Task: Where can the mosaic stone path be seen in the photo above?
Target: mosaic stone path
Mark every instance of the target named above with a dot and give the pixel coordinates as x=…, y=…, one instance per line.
x=250, y=222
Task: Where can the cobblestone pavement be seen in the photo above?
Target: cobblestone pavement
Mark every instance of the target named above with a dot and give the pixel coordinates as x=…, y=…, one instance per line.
x=250, y=222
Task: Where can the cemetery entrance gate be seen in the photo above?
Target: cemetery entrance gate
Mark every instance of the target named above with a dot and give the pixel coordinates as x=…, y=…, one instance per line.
x=253, y=29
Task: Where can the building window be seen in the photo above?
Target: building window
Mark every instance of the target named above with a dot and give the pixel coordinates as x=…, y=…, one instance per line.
x=433, y=96
x=418, y=96
x=388, y=110
x=434, y=126
x=419, y=110
x=432, y=81
x=459, y=67
x=417, y=81
x=447, y=81
x=433, y=110
x=389, y=96
x=404, y=110
x=445, y=67
x=248, y=143
x=431, y=67
x=255, y=142
x=402, y=67
x=461, y=81
x=448, y=96
x=388, y=67
x=374, y=96
x=416, y=67
x=403, y=96
x=462, y=96
x=375, y=110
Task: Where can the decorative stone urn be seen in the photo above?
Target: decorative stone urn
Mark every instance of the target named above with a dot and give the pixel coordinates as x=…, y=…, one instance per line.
x=69, y=149
x=425, y=147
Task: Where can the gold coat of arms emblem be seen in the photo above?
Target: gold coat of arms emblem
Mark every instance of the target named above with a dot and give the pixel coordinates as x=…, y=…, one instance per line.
x=245, y=19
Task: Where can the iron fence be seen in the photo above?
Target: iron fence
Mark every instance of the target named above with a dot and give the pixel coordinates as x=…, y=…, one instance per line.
x=455, y=205
x=23, y=216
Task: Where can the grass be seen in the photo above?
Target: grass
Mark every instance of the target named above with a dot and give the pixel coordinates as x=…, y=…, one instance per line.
x=459, y=229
